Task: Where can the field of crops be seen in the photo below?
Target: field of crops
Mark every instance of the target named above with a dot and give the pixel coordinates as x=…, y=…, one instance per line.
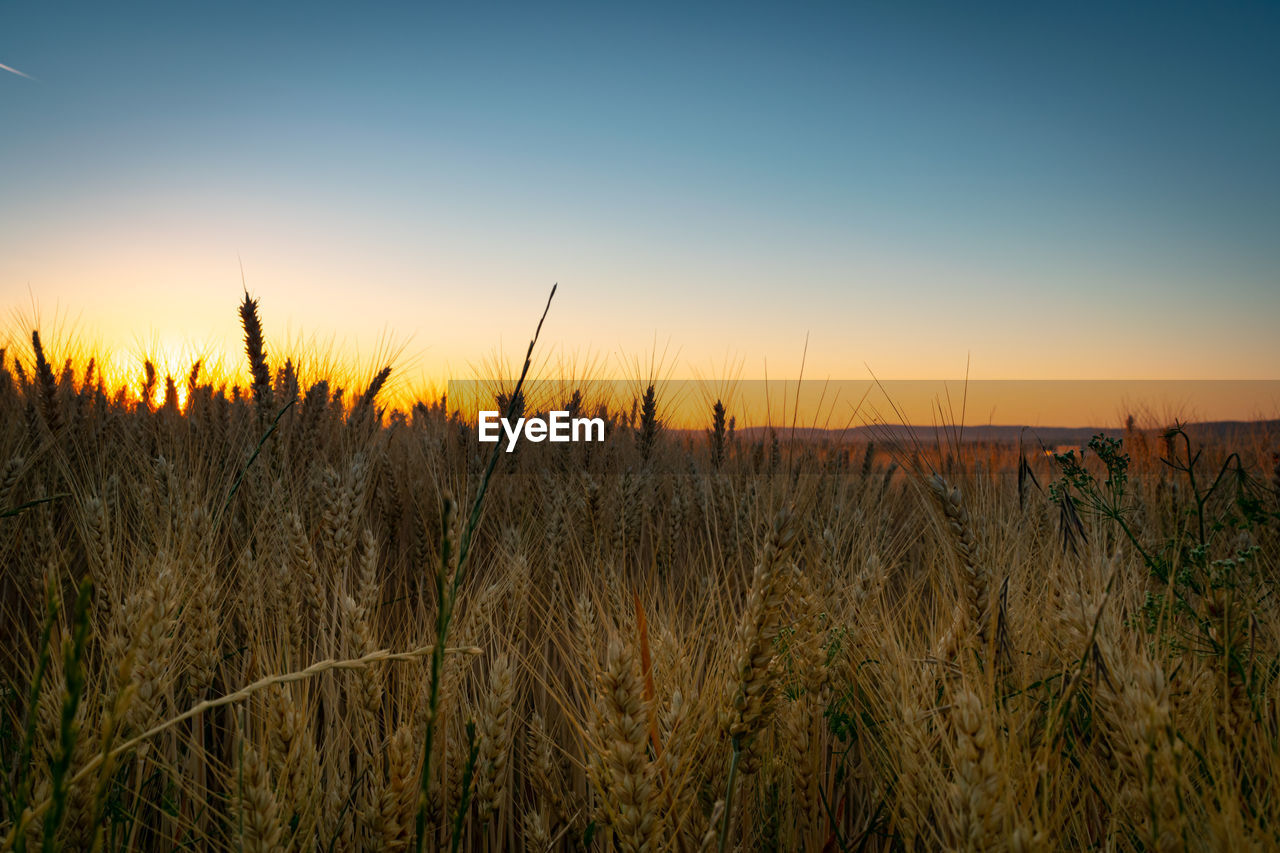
x=243, y=622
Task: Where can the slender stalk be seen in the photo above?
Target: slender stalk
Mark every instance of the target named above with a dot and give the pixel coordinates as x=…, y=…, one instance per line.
x=73, y=659
x=446, y=594
x=728, y=795
x=21, y=508
x=468, y=773
x=235, y=487
x=444, y=613
x=465, y=547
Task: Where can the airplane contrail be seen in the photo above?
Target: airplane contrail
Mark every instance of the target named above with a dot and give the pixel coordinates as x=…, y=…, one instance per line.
x=4, y=67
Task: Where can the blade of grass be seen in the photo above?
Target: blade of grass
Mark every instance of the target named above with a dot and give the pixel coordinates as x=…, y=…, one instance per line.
x=21, y=508
x=468, y=775
x=447, y=594
x=235, y=487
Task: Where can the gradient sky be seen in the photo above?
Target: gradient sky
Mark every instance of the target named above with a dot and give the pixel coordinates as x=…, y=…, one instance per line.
x=1071, y=191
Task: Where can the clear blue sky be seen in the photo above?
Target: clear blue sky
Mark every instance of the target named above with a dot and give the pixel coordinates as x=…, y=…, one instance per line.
x=1088, y=190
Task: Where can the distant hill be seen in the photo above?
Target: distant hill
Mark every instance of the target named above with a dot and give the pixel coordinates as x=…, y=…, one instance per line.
x=1050, y=436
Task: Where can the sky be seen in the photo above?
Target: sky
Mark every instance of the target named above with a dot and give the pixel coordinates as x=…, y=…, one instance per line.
x=913, y=190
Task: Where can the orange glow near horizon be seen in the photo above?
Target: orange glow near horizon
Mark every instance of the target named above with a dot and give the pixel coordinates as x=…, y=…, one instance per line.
x=435, y=338
x=684, y=403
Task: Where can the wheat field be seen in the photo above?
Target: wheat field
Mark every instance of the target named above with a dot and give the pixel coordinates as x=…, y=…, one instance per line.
x=243, y=622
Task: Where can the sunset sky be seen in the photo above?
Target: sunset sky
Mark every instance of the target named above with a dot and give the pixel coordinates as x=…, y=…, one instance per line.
x=1089, y=191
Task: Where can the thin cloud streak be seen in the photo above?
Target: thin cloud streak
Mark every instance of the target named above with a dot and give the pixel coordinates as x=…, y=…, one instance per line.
x=4, y=67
